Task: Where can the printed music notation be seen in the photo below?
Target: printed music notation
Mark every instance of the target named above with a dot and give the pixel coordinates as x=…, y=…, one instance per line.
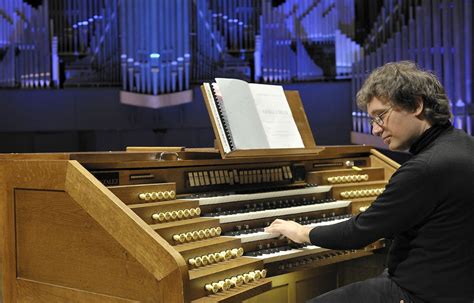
x=254, y=116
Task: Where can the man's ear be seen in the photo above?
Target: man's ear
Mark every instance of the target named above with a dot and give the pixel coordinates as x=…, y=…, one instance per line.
x=419, y=107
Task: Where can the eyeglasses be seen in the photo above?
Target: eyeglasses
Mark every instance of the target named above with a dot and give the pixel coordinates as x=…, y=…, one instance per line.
x=378, y=119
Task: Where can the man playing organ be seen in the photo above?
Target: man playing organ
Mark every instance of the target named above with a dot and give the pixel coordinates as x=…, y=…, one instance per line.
x=427, y=206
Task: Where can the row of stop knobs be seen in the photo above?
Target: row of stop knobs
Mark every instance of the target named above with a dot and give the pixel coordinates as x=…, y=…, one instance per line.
x=362, y=193
x=197, y=234
x=216, y=257
x=348, y=178
x=176, y=214
x=235, y=281
x=157, y=195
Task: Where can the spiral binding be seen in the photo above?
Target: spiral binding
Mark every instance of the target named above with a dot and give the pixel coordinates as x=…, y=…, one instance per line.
x=222, y=117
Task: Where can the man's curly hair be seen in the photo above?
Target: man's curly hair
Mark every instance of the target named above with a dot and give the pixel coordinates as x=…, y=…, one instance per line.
x=403, y=84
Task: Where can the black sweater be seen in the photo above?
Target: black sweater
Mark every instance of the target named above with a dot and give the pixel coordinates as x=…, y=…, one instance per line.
x=428, y=209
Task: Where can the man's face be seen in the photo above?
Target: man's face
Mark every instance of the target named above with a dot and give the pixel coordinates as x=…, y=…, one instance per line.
x=400, y=128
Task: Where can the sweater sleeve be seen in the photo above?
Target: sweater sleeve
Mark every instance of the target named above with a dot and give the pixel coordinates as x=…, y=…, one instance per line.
x=407, y=201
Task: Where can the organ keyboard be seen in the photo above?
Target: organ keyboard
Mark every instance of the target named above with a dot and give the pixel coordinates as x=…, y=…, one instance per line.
x=257, y=234
x=132, y=227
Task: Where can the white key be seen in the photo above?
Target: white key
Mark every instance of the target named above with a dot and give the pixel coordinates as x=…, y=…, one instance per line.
x=258, y=236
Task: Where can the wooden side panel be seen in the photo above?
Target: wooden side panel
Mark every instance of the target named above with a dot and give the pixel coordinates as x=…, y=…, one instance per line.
x=111, y=251
x=59, y=243
x=139, y=239
x=31, y=291
x=51, y=175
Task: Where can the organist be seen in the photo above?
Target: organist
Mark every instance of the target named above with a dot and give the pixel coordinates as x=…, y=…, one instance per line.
x=427, y=207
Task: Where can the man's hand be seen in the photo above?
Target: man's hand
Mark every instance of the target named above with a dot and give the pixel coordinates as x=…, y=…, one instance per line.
x=290, y=229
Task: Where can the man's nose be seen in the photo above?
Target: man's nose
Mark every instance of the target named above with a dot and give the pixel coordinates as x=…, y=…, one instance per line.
x=376, y=130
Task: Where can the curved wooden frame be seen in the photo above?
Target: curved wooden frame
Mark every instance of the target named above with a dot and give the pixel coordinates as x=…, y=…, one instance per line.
x=26, y=184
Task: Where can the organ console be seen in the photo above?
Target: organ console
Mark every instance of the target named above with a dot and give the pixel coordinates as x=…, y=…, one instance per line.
x=164, y=224
x=135, y=227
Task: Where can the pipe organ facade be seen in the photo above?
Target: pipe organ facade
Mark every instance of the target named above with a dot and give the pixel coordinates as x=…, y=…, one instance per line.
x=155, y=48
x=437, y=35
x=160, y=47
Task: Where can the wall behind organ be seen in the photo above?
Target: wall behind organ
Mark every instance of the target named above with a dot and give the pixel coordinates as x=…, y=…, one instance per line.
x=90, y=119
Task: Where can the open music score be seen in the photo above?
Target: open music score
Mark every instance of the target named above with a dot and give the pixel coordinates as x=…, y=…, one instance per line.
x=254, y=116
x=256, y=119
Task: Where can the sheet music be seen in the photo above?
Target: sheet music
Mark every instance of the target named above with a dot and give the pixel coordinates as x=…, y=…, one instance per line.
x=275, y=114
x=242, y=116
x=258, y=115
